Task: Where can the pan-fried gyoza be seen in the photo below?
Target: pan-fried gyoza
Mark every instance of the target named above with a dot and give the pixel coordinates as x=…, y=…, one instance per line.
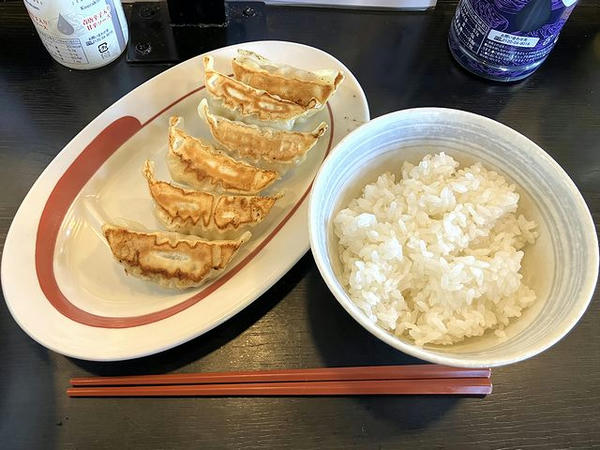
x=238, y=101
x=263, y=146
x=307, y=89
x=196, y=163
x=205, y=214
x=170, y=259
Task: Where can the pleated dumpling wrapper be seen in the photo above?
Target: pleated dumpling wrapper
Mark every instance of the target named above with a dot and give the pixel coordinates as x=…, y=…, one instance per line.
x=263, y=146
x=308, y=89
x=239, y=101
x=196, y=163
x=204, y=214
x=172, y=260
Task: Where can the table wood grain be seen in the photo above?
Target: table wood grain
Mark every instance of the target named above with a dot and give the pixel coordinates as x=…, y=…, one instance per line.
x=402, y=61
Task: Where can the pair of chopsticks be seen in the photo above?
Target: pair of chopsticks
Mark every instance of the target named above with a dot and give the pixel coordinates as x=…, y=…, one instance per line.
x=424, y=379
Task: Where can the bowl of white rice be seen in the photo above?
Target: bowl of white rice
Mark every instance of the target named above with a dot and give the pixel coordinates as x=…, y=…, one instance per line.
x=453, y=238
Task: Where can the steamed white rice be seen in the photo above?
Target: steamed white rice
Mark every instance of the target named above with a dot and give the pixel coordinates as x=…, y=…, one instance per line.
x=436, y=255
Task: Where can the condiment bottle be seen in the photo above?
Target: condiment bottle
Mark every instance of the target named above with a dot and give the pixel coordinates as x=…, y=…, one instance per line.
x=80, y=34
x=506, y=40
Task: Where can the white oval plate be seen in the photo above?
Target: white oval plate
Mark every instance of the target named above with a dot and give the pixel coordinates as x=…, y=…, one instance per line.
x=60, y=281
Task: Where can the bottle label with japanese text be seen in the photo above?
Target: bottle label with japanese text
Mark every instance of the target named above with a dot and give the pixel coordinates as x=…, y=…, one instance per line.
x=509, y=34
x=81, y=34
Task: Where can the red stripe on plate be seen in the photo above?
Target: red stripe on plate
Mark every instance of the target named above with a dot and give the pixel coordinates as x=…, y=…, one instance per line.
x=64, y=193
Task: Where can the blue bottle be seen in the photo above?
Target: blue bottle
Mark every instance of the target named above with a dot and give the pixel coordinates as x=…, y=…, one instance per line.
x=506, y=40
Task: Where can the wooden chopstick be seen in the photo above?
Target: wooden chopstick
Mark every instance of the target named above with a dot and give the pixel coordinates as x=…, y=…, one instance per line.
x=363, y=373
x=443, y=386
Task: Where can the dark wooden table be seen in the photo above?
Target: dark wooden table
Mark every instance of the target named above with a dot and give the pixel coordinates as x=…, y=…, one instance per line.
x=402, y=61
